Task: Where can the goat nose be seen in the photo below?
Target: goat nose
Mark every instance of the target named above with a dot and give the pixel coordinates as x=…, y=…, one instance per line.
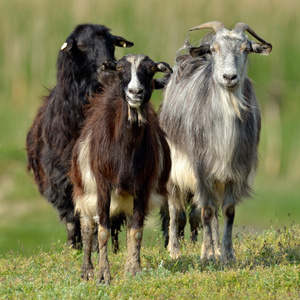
x=136, y=91
x=229, y=77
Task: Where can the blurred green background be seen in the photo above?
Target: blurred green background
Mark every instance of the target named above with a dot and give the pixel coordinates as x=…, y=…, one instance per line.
x=31, y=34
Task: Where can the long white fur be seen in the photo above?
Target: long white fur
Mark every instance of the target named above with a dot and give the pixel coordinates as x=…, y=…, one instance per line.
x=182, y=172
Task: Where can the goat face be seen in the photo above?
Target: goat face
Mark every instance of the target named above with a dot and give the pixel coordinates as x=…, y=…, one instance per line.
x=229, y=50
x=135, y=73
x=90, y=43
x=230, y=59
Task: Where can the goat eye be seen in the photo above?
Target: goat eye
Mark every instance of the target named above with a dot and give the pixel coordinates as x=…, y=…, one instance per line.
x=153, y=68
x=119, y=69
x=82, y=47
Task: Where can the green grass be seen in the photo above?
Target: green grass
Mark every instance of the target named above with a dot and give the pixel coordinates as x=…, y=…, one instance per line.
x=267, y=267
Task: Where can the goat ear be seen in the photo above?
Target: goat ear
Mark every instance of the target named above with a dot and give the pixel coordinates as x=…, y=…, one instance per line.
x=121, y=42
x=67, y=45
x=199, y=51
x=260, y=48
x=163, y=67
x=108, y=65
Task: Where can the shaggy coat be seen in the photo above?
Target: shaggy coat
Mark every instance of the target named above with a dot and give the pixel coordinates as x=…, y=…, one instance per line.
x=59, y=120
x=212, y=120
x=121, y=162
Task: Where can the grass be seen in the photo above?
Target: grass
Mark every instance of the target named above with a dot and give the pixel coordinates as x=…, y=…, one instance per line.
x=267, y=267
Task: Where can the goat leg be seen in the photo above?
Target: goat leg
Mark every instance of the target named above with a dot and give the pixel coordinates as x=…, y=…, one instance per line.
x=195, y=220
x=215, y=234
x=165, y=221
x=87, y=232
x=181, y=224
x=227, y=252
x=104, y=268
x=72, y=236
x=133, y=261
x=135, y=234
x=210, y=246
x=115, y=227
x=103, y=233
x=173, y=245
x=207, y=251
x=72, y=224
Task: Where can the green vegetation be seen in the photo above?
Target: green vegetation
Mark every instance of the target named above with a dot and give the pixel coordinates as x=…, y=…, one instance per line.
x=267, y=264
x=267, y=267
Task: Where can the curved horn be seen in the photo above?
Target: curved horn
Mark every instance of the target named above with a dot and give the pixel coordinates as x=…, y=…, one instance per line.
x=241, y=27
x=215, y=25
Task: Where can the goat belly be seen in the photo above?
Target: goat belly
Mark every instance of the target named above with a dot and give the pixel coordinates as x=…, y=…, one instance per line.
x=121, y=202
x=182, y=173
x=87, y=204
x=124, y=202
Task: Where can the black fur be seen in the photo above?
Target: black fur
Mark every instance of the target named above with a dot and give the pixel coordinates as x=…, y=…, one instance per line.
x=57, y=125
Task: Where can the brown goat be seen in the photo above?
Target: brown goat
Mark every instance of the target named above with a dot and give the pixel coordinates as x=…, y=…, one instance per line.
x=121, y=162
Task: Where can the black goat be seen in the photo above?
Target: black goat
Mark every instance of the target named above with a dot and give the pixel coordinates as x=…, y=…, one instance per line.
x=121, y=162
x=57, y=125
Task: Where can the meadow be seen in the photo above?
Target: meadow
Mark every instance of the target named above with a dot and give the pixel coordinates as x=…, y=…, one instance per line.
x=267, y=267
x=32, y=33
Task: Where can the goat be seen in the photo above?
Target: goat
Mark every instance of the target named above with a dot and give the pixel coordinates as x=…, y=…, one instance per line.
x=59, y=120
x=212, y=120
x=121, y=161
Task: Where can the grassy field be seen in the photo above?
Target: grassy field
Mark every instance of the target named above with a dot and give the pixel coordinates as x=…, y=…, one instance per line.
x=267, y=267
x=268, y=255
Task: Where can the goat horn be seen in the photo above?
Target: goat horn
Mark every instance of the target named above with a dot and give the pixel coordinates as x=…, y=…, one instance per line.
x=215, y=25
x=241, y=27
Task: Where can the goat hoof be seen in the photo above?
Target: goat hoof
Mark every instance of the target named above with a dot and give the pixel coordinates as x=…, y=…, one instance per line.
x=227, y=257
x=74, y=245
x=175, y=254
x=132, y=268
x=174, y=251
x=104, y=277
x=207, y=256
x=88, y=274
x=207, y=262
x=103, y=281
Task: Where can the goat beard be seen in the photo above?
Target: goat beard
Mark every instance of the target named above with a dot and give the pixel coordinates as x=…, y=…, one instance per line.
x=238, y=105
x=135, y=115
